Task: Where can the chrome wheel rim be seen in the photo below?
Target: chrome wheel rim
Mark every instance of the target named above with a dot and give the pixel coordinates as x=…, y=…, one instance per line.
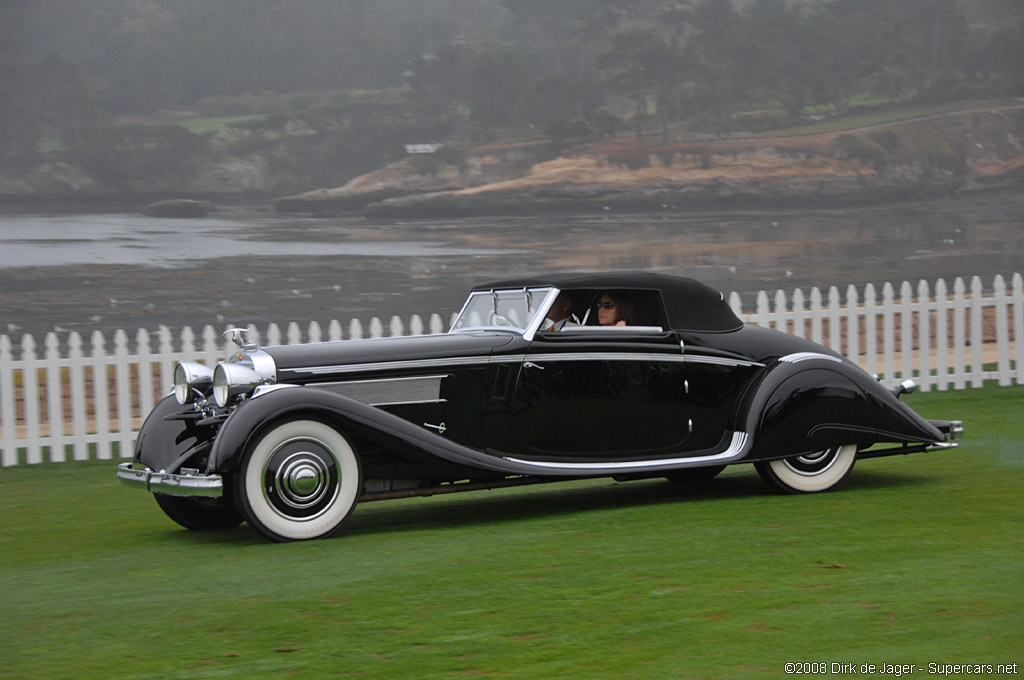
x=812, y=464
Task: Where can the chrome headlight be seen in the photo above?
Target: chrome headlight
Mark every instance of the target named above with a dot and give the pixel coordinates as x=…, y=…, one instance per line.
x=191, y=381
x=233, y=380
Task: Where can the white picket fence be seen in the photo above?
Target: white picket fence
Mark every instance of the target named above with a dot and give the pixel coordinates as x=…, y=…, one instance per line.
x=80, y=403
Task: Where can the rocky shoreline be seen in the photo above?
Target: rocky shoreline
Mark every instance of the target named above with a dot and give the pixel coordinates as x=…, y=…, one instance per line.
x=945, y=155
x=941, y=156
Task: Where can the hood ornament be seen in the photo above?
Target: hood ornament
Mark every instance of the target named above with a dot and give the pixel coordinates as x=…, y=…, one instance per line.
x=240, y=336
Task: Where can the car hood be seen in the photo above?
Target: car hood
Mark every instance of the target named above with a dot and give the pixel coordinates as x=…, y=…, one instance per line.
x=302, y=363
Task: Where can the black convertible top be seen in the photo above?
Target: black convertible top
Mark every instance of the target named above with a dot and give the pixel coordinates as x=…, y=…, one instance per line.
x=690, y=304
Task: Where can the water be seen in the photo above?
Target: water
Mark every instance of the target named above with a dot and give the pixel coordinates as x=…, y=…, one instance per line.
x=101, y=271
x=137, y=240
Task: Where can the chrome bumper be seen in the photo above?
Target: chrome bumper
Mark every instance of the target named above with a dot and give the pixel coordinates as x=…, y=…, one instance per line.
x=952, y=430
x=186, y=484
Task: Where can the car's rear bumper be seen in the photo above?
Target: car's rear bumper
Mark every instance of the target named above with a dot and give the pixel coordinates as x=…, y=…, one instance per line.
x=184, y=484
x=953, y=430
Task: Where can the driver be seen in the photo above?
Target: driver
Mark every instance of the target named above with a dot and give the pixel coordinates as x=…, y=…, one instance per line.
x=558, y=316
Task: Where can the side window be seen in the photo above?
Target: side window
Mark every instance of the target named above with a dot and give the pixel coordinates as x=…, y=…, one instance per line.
x=595, y=310
x=627, y=308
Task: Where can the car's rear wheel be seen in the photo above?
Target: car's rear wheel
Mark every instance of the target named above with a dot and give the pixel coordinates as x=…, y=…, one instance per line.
x=811, y=472
x=200, y=513
x=299, y=480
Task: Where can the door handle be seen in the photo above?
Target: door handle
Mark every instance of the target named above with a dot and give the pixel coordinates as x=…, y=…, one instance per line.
x=530, y=364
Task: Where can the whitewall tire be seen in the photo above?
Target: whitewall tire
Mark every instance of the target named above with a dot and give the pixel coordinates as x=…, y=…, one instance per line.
x=299, y=480
x=811, y=472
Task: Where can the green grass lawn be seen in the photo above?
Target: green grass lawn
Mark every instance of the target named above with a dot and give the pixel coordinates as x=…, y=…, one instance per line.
x=915, y=560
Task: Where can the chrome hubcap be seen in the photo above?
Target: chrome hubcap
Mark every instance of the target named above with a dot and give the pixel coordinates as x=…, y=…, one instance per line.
x=301, y=479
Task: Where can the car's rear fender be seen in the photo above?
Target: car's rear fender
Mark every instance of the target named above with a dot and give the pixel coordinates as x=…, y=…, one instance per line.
x=809, y=402
x=895, y=421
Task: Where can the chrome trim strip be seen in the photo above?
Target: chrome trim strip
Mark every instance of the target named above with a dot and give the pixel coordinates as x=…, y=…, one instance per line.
x=591, y=356
x=487, y=329
x=627, y=356
x=403, y=364
x=722, y=361
x=174, y=485
x=859, y=429
x=807, y=356
x=519, y=358
x=737, y=447
x=615, y=329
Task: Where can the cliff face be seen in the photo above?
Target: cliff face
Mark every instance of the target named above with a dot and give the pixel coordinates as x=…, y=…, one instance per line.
x=421, y=176
x=942, y=155
x=219, y=175
x=939, y=156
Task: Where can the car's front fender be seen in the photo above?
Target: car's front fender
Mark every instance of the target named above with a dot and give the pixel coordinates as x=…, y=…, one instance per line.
x=367, y=424
x=172, y=437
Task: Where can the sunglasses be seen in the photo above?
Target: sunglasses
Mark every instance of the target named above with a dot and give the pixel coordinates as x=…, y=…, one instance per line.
x=606, y=305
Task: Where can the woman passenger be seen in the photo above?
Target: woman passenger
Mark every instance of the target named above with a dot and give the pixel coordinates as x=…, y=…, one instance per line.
x=614, y=310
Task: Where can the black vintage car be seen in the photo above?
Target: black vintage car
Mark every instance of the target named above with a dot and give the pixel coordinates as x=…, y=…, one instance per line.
x=291, y=438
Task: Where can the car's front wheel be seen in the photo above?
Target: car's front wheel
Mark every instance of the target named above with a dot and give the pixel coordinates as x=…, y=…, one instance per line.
x=810, y=472
x=298, y=481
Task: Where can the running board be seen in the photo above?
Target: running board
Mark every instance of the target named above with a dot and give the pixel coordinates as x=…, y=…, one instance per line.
x=457, y=487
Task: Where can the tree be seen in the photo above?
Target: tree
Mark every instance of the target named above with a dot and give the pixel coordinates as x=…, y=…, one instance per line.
x=482, y=83
x=778, y=49
x=721, y=79
x=641, y=63
x=45, y=98
x=998, y=53
x=576, y=31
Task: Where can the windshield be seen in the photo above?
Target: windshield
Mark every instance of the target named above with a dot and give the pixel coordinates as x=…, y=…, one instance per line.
x=512, y=309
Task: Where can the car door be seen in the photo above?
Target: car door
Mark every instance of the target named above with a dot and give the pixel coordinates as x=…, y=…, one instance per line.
x=601, y=393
